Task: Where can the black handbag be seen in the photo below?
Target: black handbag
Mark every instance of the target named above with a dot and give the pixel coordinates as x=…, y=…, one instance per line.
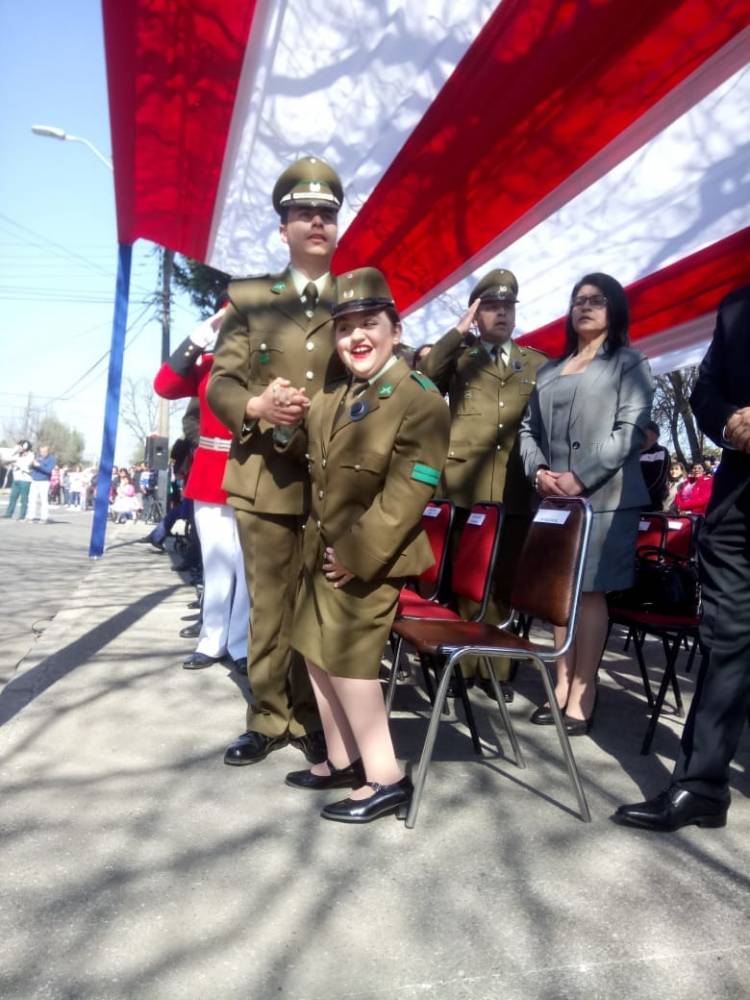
x=665, y=584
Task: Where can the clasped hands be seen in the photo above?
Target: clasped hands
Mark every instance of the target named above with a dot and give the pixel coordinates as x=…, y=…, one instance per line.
x=279, y=404
x=334, y=572
x=737, y=430
x=558, y=484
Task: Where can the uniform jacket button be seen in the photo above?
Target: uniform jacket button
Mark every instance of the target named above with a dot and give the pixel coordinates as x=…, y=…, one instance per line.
x=309, y=376
x=321, y=494
x=576, y=445
x=310, y=346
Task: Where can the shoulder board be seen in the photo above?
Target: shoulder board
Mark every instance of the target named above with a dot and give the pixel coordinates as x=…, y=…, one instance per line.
x=532, y=350
x=424, y=382
x=245, y=293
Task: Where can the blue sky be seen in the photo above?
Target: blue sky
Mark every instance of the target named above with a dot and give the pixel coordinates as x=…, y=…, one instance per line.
x=58, y=238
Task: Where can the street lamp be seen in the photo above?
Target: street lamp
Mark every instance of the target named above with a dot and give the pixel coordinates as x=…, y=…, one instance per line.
x=58, y=133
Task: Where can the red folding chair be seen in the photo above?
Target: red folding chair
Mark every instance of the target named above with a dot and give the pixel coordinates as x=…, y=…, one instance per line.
x=437, y=521
x=471, y=578
x=547, y=586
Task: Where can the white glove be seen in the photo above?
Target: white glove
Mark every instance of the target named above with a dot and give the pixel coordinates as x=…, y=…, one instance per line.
x=204, y=335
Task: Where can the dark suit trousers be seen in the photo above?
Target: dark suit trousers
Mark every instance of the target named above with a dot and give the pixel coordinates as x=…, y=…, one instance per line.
x=719, y=709
x=271, y=547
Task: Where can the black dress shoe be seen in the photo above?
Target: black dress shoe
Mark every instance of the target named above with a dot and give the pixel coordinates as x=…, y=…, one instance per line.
x=196, y=661
x=252, y=747
x=191, y=631
x=578, y=727
x=673, y=809
x=542, y=716
x=351, y=776
x=507, y=689
x=384, y=800
x=312, y=745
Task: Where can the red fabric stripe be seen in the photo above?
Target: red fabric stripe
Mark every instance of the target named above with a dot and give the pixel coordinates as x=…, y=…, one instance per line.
x=545, y=86
x=692, y=287
x=173, y=70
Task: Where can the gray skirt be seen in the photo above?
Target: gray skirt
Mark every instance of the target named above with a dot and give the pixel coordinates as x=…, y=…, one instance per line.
x=610, y=562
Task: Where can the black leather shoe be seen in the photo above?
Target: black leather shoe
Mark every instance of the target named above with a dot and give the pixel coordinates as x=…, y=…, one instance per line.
x=542, y=716
x=252, y=747
x=312, y=745
x=196, y=661
x=351, y=776
x=507, y=690
x=578, y=727
x=191, y=631
x=384, y=800
x=673, y=809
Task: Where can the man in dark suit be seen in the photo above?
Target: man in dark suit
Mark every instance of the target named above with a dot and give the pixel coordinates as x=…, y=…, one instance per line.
x=699, y=792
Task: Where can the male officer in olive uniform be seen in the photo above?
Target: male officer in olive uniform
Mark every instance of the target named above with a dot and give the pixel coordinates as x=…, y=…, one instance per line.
x=275, y=350
x=488, y=381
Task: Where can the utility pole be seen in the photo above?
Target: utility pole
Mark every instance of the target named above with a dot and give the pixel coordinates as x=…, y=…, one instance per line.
x=167, y=262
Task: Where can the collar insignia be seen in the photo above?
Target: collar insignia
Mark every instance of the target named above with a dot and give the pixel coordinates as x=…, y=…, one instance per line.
x=385, y=391
x=278, y=287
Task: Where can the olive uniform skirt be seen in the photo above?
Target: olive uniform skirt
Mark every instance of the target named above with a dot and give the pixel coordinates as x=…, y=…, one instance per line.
x=343, y=630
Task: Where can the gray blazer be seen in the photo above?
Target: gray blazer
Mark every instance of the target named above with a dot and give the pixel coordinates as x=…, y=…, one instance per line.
x=610, y=408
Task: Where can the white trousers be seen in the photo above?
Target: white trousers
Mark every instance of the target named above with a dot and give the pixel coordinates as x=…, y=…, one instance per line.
x=226, y=607
x=38, y=496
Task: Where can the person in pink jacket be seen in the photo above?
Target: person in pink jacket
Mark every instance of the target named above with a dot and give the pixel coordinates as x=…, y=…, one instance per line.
x=694, y=494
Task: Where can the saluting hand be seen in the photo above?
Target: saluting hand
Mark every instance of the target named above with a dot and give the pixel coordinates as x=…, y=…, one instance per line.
x=333, y=571
x=466, y=322
x=737, y=431
x=279, y=404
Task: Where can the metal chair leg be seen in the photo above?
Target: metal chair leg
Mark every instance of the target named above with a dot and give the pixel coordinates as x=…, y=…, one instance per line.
x=642, y=667
x=670, y=653
x=505, y=716
x=570, y=762
x=391, y=689
x=463, y=694
x=659, y=704
x=429, y=745
x=691, y=656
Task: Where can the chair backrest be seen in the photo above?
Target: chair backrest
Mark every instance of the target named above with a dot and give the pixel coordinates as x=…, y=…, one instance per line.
x=474, y=562
x=437, y=521
x=682, y=534
x=548, y=579
x=652, y=530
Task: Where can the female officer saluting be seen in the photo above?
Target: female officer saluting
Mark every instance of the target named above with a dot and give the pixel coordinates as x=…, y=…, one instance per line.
x=376, y=447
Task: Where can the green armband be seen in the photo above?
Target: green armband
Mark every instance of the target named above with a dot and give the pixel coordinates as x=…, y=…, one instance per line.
x=425, y=474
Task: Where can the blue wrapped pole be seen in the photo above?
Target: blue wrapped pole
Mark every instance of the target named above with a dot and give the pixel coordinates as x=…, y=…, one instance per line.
x=112, y=408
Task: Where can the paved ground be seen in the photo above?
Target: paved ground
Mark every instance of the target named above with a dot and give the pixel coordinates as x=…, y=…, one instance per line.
x=136, y=865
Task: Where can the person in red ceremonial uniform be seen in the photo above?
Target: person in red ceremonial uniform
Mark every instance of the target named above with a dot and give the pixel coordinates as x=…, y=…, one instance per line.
x=226, y=606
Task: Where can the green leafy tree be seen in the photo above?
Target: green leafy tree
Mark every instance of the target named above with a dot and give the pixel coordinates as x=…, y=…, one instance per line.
x=66, y=443
x=203, y=284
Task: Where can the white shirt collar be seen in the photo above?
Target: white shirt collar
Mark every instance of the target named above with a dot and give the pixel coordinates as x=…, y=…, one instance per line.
x=503, y=348
x=389, y=364
x=301, y=281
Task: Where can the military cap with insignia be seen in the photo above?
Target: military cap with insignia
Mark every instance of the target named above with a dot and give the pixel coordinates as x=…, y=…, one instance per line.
x=497, y=285
x=309, y=182
x=363, y=290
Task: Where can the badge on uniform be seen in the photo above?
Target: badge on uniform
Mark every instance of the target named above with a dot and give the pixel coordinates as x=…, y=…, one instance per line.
x=278, y=287
x=516, y=365
x=474, y=352
x=264, y=357
x=359, y=409
x=385, y=391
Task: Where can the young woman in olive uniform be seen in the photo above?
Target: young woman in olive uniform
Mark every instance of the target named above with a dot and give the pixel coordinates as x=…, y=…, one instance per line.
x=376, y=445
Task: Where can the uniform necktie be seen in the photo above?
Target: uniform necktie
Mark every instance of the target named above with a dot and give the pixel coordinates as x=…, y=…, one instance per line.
x=310, y=298
x=500, y=359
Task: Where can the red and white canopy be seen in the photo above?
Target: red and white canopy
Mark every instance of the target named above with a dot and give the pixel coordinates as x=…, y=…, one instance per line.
x=552, y=137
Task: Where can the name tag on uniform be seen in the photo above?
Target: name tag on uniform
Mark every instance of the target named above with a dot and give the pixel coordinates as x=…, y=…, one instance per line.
x=551, y=516
x=476, y=519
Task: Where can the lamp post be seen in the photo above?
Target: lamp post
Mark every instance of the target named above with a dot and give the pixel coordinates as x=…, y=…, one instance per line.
x=51, y=132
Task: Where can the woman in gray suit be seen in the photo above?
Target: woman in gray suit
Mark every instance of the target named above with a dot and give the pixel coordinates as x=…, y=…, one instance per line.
x=582, y=436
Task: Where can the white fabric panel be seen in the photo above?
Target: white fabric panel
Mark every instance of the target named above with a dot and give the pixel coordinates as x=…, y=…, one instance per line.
x=353, y=98
x=684, y=190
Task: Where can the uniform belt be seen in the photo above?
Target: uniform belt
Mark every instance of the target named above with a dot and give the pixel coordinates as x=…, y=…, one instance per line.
x=214, y=444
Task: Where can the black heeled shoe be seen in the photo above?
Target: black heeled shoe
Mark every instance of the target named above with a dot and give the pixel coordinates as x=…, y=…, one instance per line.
x=581, y=727
x=351, y=776
x=385, y=799
x=543, y=716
